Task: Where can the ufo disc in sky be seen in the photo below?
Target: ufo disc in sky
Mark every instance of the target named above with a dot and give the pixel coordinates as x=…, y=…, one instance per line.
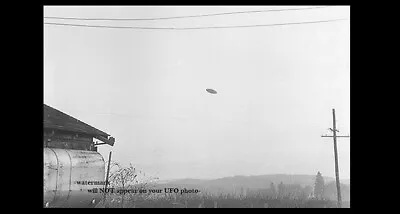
x=211, y=91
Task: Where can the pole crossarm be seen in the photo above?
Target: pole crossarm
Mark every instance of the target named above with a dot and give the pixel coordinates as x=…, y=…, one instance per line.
x=336, y=136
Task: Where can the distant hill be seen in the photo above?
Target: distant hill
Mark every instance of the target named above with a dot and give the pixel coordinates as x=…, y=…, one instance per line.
x=250, y=182
x=257, y=182
x=187, y=181
x=345, y=181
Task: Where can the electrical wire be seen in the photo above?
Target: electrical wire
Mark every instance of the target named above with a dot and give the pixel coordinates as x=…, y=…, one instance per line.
x=192, y=28
x=179, y=17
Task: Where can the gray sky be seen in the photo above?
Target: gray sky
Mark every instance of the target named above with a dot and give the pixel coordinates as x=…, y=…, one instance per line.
x=276, y=88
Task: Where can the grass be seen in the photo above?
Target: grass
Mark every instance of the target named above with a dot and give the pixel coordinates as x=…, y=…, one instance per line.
x=209, y=201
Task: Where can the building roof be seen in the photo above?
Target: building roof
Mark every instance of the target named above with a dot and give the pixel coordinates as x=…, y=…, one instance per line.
x=55, y=119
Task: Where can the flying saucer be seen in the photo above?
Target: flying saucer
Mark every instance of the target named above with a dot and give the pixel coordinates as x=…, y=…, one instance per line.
x=211, y=91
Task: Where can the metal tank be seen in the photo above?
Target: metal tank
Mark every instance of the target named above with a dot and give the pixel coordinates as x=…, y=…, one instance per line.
x=64, y=169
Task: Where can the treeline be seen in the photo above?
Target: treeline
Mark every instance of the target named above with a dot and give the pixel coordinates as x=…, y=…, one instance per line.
x=320, y=190
x=283, y=191
x=276, y=196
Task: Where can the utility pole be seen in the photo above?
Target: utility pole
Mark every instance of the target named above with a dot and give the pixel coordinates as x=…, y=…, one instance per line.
x=108, y=172
x=334, y=130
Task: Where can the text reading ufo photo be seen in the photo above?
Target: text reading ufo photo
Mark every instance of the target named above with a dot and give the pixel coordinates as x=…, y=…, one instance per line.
x=211, y=91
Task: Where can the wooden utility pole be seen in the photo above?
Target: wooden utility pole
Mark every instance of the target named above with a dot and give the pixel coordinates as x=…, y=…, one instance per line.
x=108, y=172
x=108, y=169
x=334, y=130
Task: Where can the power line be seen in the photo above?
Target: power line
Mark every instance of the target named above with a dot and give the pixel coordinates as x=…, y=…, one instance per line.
x=191, y=28
x=178, y=17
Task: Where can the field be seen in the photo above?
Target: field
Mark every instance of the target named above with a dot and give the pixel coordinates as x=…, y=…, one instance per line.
x=206, y=201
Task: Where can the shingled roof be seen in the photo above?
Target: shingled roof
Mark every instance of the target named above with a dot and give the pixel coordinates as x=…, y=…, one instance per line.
x=55, y=119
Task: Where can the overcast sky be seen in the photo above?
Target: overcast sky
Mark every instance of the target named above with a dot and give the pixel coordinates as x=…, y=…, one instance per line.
x=276, y=88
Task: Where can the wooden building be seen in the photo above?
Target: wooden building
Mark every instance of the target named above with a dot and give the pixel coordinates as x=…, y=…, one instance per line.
x=66, y=132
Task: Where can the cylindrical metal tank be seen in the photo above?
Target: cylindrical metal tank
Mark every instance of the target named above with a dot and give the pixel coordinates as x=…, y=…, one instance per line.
x=65, y=175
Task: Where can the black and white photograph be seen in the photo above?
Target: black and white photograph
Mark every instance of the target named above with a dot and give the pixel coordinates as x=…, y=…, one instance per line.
x=178, y=106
